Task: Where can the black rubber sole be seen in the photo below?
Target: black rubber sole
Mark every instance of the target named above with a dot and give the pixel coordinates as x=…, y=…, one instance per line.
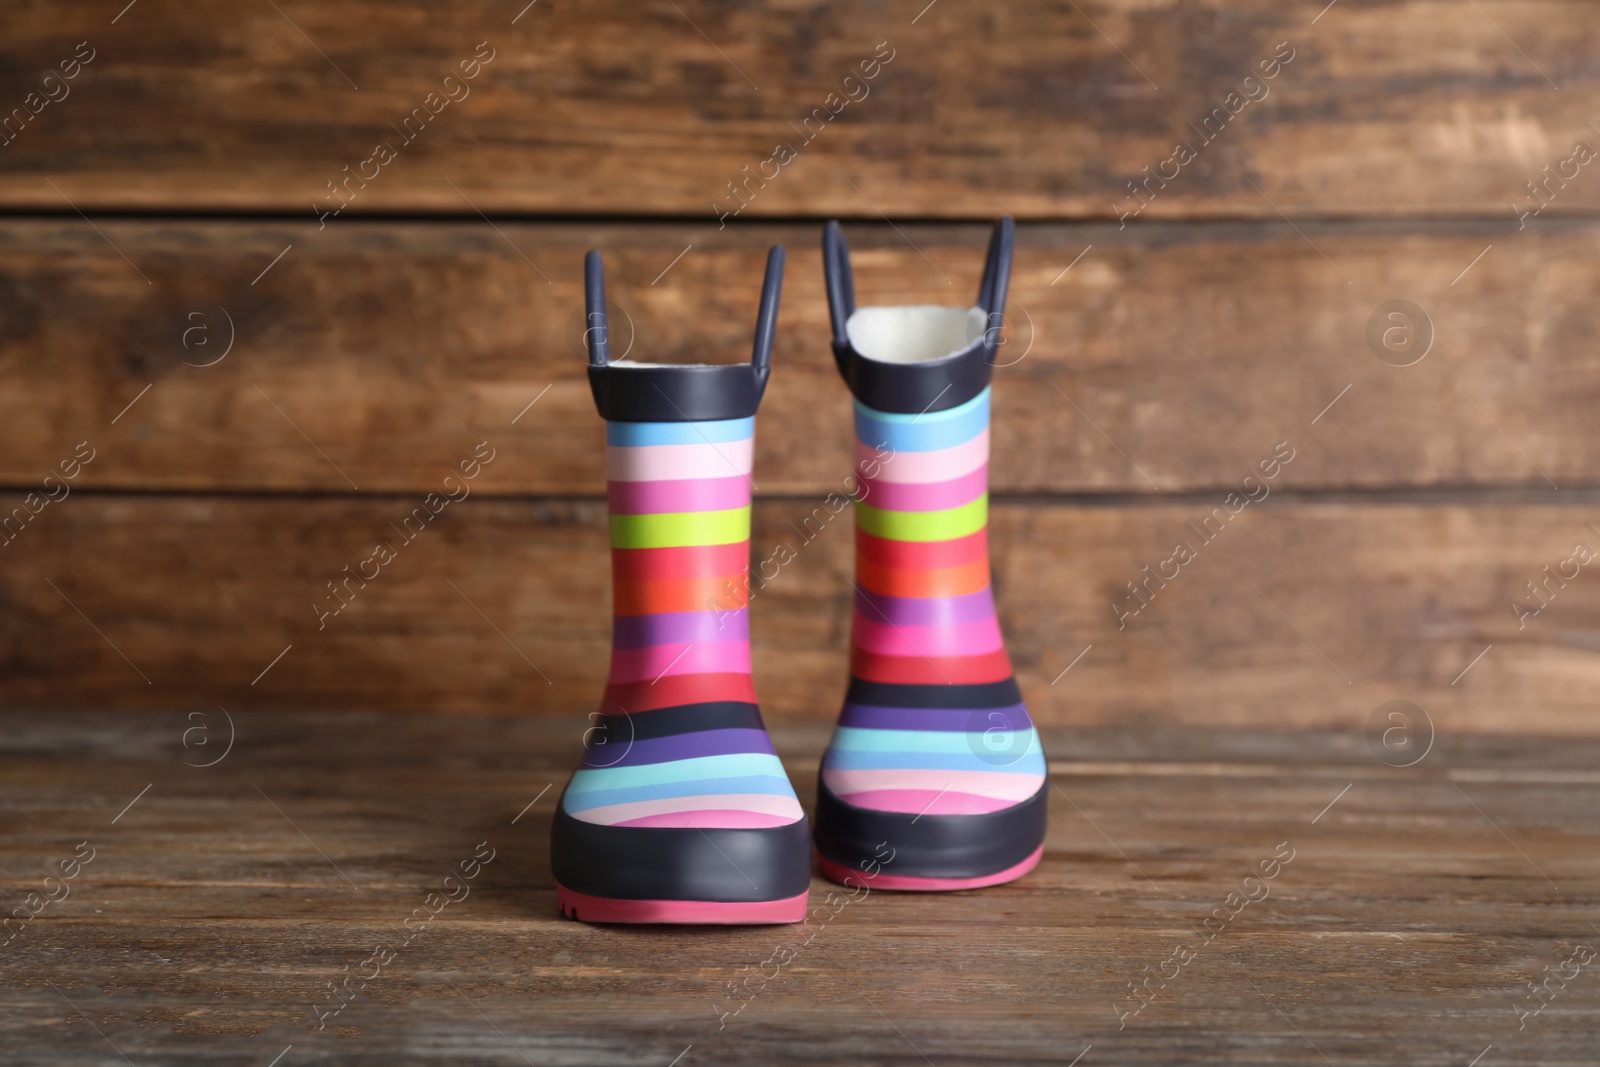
x=667, y=863
x=952, y=847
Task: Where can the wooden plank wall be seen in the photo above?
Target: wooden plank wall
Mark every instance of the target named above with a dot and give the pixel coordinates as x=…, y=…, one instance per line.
x=268, y=372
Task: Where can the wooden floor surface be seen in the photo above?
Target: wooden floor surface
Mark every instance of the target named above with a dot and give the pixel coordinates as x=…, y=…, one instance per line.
x=1407, y=913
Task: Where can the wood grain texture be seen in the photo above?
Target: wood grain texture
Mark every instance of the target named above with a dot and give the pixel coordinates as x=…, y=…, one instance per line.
x=1170, y=359
x=1297, y=613
x=217, y=910
x=1043, y=110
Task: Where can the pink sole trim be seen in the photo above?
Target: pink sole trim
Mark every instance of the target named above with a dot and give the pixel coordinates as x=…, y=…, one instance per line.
x=585, y=908
x=910, y=884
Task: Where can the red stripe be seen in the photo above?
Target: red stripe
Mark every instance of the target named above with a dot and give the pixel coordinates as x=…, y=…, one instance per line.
x=930, y=670
x=694, y=561
x=923, y=555
x=678, y=689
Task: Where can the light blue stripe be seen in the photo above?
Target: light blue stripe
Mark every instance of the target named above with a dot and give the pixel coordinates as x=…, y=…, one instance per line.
x=981, y=400
x=679, y=433
x=1031, y=762
x=1008, y=742
x=763, y=784
x=683, y=770
x=923, y=433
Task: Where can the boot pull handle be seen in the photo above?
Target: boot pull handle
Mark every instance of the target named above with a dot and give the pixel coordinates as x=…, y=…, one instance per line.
x=841, y=282
x=997, y=278
x=767, y=316
x=595, y=333
x=842, y=288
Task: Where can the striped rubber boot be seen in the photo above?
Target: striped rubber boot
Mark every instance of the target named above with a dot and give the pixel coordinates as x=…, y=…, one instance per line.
x=934, y=778
x=680, y=811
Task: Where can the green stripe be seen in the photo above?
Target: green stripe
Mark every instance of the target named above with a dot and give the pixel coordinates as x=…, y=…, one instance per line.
x=945, y=525
x=681, y=528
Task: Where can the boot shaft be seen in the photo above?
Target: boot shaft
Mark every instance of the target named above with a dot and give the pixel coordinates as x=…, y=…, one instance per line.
x=924, y=611
x=679, y=443
x=679, y=501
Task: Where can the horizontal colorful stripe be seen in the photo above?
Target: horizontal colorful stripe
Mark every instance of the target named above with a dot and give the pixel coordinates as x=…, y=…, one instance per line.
x=944, y=696
x=747, y=810
x=1010, y=787
x=638, y=752
x=925, y=611
x=693, y=561
x=917, y=669
x=925, y=496
x=691, y=766
x=649, y=581
x=711, y=818
x=931, y=431
x=947, y=639
x=667, y=661
x=674, y=689
x=933, y=724
x=625, y=727
x=889, y=580
x=947, y=525
x=703, y=459
x=680, y=742
x=679, y=494
x=917, y=556
x=678, y=529
x=922, y=467
x=680, y=628
x=928, y=801
x=954, y=720
x=649, y=789
x=898, y=744
x=634, y=434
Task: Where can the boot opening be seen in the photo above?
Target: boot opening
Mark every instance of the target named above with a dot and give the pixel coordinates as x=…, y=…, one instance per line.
x=914, y=334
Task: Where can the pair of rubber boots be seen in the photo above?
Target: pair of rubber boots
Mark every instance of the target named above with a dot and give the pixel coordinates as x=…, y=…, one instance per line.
x=934, y=778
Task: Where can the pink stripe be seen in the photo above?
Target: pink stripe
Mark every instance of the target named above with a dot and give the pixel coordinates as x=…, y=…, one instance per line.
x=914, y=884
x=661, y=463
x=785, y=809
x=586, y=908
x=925, y=496
x=664, y=661
x=926, y=801
x=1008, y=785
x=678, y=495
x=937, y=466
x=956, y=639
x=710, y=819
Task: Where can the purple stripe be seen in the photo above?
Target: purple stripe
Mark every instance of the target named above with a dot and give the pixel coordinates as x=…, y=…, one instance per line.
x=678, y=495
x=926, y=496
x=925, y=611
x=678, y=746
x=955, y=720
x=680, y=628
